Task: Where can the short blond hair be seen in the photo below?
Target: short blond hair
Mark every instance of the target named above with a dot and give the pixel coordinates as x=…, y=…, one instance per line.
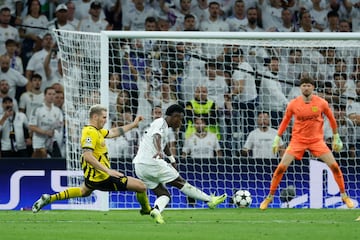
x=96, y=109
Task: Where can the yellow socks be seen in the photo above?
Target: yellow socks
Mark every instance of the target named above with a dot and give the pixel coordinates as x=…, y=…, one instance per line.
x=144, y=201
x=68, y=193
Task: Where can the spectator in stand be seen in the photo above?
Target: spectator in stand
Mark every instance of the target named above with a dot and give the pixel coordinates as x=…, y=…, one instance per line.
x=333, y=22
x=53, y=75
x=253, y=21
x=319, y=15
x=123, y=102
x=163, y=24
x=13, y=77
x=32, y=98
x=12, y=50
x=353, y=7
x=36, y=62
x=202, y=143
x=114, y=84
x=271, y=11
x=214, y=22
x=94, y=23
x=71, y=19
x=200, y=10
x=135, y=18
x=287, y=19
x=272, y=98
x=114, y=15
x=259, y=142
x=344, y=26
x=306, y=24
x=6, y=31
x=176, y=16
x=82, y=9
x=244, y=95
x=238, y=19
x=18, y=13
x=346, y=129
x=201, y=106
x=14, y=131
x=215, y=84
x=61, y=21
x=32, y=35
x=60, y=136
x=4, y=92
x=44, y=121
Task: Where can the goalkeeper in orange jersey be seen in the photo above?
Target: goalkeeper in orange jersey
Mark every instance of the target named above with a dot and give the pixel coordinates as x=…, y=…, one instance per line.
x=96, y=165
x=307, y=134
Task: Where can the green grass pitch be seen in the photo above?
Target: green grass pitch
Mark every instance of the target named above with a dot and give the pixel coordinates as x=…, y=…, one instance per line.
x=239, y=224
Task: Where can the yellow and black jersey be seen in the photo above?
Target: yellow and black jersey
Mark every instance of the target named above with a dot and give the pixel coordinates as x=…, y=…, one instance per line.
x=94, y=139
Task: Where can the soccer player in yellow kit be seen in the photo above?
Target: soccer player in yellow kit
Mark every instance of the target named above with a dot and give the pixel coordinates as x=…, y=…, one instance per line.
x=96, y=165
x=307, y=134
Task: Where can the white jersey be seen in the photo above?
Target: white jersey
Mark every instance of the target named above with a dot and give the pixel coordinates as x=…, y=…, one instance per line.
x=19, y=122
x=247, y=74
x=147, y=148
x=46, y=119
x=198, y=147
x=261, y=143
x=7, y=33
x=29, y=101
x=14, y=79
x=89, y=25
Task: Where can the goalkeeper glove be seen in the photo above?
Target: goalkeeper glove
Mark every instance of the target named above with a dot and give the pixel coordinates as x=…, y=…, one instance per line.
x=337, y=144
x=275, y=145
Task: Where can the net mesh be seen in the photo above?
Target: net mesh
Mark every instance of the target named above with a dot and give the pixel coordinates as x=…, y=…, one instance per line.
x=242, y=78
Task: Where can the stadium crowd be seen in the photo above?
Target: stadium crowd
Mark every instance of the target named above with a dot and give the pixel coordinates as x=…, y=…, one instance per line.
x=233, y=100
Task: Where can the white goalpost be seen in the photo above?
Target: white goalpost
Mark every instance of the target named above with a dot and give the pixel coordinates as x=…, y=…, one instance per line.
x=133, y=72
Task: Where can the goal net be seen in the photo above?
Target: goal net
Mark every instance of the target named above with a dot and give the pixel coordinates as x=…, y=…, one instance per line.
x=234, y=87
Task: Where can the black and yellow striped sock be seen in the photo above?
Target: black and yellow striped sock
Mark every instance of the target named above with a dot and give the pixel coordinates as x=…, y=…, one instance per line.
x=68, y=193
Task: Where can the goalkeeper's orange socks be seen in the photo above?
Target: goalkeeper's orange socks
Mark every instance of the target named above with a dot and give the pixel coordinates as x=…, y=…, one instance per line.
x=68, y=193
x=276, y=179
x=338, y=175
x=144, y=201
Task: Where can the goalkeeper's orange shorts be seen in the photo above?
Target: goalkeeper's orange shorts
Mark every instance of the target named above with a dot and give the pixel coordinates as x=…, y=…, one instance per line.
x=297, y=149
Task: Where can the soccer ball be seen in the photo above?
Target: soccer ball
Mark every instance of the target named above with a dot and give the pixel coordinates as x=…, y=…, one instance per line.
x=242, y=198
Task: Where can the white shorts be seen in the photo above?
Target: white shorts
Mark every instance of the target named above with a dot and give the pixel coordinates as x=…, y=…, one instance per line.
x=152, y=175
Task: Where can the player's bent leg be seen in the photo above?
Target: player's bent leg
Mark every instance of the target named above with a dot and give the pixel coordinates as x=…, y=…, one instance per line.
x=139, y=187
x=66, y=194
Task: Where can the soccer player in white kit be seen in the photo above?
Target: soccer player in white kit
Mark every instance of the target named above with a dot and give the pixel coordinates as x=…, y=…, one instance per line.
x=155, y=172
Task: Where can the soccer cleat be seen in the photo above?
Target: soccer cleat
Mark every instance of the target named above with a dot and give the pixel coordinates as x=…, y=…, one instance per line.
x=39, y=204
x=349, y=203
x=358, y=219
x=266, y=202
x=145, y=211
x=216, y=200
x=156, y=215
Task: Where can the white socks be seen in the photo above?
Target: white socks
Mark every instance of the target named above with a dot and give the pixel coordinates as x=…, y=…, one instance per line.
x=194, y=192
x=161, y=202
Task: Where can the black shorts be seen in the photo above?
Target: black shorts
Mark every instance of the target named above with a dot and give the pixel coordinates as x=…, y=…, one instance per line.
x=110, y=184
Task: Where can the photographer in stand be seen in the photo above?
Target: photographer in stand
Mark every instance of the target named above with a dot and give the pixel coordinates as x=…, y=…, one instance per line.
x=14, y=131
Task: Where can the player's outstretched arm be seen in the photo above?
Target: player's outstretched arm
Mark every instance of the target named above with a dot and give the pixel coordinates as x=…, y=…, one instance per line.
x=119, y=131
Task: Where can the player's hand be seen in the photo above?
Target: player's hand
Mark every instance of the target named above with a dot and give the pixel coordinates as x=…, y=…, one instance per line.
x=275, y=145
x=337, y=144
x=138, y=119
x=174, y=165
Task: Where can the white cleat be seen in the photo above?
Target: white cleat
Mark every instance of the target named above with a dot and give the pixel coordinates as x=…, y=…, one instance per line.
x=41, y=202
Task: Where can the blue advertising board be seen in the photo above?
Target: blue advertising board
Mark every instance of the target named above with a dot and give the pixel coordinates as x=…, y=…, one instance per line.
x=24, y=180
